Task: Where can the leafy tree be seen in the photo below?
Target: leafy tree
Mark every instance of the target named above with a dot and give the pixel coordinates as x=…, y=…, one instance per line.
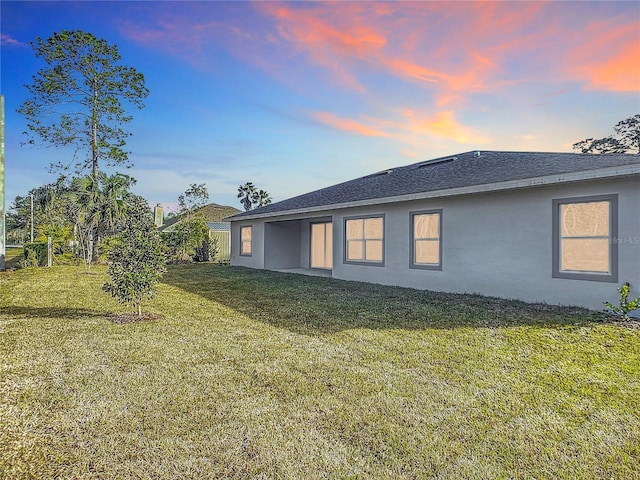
x=195, y=197
x=190, y=232
x=60, y=237
x=109, y=210
x=18, y=218
x=89, y=210
x=50, y=204
x=77, y=99
x=626, y=139
x=92, y=208
x=48, y=209
x=250, y=197
x=137, y=260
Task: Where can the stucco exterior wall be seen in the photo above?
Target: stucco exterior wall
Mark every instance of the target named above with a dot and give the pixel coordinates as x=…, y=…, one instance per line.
x=256, y=259
x=497, y=244
x=305, y=237
x=282, y=244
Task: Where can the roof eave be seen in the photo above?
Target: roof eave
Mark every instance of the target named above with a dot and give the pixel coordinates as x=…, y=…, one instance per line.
x=585, y=175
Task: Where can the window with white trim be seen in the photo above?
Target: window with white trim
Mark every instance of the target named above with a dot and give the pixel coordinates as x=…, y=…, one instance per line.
x=246, y=234
x=426, y=246
x=585, y=231
x=364, y=240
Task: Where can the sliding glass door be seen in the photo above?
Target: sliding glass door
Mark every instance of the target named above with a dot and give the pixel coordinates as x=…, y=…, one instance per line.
x=322, y=245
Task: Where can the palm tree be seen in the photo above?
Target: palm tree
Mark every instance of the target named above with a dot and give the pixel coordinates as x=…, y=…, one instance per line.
x=110, y=206
x=246, y=194
x=99, y=207
x=83, y=193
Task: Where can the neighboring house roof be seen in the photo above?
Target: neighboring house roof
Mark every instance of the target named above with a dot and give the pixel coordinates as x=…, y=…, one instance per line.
x=454, y=175
x=213, y=226
x=212, y=213
x=219, y=226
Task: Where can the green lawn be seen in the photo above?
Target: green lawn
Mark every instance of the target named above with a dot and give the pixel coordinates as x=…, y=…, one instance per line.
x=13, y=256
x=254, y=374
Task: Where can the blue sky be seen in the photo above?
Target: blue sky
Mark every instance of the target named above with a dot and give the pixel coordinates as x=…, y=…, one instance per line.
x=298, y=96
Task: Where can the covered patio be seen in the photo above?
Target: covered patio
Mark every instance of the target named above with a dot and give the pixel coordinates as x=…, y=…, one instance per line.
x=299, y=246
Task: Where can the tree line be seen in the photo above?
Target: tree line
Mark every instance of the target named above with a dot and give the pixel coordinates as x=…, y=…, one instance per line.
x=625, y=139
x=79, y=100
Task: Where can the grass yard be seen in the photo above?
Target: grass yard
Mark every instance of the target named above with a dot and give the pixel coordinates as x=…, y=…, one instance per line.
x=252, y=374
x=13, y=256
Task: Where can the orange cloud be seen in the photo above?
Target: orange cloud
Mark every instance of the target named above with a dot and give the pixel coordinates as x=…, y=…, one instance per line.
x=347, y=125
x=443, y=125
x=619, y=74
x=307, y=28
x=403, y=68
x=612, y=60
x=452, y=49
x=410, y=129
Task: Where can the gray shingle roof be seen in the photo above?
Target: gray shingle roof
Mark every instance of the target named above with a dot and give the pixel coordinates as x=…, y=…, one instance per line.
x=461, y=170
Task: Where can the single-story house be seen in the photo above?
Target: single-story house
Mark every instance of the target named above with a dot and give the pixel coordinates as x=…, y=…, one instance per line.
x=560, y=228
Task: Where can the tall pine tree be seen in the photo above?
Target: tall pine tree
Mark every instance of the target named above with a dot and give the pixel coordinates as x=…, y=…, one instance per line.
x=76, y=101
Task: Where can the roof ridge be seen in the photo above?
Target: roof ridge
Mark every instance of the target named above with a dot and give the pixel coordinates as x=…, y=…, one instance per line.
x=468, y=170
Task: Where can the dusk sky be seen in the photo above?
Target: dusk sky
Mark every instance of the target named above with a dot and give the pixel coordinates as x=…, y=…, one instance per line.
x=299, y=96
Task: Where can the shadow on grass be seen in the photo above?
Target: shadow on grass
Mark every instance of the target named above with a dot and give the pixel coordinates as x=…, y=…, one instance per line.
x=50, y=312
x=317, y=305
x=13, y=258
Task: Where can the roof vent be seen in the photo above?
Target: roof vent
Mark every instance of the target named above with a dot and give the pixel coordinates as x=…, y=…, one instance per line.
x=379, y=174
x=437, y=161
x=476, y=153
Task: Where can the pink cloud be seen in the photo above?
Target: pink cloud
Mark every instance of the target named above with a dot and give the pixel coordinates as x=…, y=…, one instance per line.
x=452, y=49
x=458, y=48
x=329, y=43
